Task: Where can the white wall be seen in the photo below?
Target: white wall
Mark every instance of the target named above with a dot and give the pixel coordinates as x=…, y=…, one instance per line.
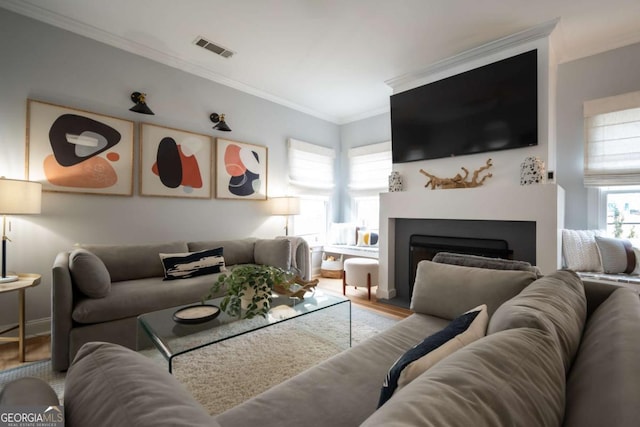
x=46, y=63
x=606, y=74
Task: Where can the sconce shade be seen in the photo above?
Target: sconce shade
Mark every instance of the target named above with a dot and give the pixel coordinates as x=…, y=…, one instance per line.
x=221, y=124
x=141, y=104
x=20, y=197
x=285, y=206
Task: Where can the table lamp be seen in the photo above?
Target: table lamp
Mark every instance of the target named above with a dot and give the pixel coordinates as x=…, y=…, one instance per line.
x=17, y=197
x=285, y=206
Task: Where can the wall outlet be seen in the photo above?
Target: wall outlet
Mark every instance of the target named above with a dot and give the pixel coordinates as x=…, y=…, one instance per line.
x=551, y=176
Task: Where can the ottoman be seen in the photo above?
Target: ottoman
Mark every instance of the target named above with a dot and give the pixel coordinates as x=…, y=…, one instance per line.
x=360, y=272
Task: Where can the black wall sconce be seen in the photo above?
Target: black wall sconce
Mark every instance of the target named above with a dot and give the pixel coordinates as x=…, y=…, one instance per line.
x=221, y=124
x=141, y=104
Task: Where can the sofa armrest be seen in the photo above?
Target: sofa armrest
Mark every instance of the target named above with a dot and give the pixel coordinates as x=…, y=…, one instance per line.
x=61, y=309
x=28, y=391
x=300, y=256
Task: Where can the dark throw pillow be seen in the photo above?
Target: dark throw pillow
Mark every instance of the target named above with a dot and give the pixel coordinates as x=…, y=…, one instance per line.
x=192, y=264
x=419, y=358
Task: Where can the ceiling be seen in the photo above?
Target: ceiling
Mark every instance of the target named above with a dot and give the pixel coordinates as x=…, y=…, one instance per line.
x=330, y=58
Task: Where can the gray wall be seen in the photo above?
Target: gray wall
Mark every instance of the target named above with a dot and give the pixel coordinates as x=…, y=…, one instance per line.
x=355, y=134
x=42, y=62
x=607, y=74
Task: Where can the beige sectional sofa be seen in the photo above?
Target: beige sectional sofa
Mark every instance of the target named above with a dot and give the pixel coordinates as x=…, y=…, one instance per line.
x=559, y=351
x=83, y=310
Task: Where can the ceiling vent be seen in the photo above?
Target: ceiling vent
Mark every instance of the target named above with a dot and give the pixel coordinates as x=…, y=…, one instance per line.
x=217, y=49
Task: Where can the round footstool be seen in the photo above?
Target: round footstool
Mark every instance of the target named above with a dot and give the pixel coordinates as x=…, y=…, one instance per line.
x=360, y=272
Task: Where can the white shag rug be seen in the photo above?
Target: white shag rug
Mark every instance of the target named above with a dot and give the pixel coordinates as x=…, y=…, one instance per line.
x=226, y=374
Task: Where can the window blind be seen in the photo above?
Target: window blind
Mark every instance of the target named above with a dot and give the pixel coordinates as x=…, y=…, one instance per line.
x=612, y=140
x=370, y=166
x=310, y=165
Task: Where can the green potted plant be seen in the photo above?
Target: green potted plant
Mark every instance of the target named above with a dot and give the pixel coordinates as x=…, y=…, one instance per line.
x=248, y=289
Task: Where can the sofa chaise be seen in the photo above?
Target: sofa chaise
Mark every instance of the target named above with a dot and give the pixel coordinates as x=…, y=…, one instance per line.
x=99, y=296
x=558, y=351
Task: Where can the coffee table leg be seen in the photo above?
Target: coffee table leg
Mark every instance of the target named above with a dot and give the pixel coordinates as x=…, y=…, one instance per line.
x=21, y=319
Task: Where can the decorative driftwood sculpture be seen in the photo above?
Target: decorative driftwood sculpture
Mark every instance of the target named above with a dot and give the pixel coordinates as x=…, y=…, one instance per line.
x=458, y=181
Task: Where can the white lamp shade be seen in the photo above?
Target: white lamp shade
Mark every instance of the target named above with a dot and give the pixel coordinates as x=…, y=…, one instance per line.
x=285, y=206
x=20, y=197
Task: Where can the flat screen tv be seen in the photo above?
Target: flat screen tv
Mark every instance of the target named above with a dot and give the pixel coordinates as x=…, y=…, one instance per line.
x=490, y=108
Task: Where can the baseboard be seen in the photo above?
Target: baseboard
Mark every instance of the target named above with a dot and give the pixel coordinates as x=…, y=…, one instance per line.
x=34, y=328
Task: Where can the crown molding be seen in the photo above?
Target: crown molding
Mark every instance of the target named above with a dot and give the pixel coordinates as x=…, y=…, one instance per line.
x=531, y=34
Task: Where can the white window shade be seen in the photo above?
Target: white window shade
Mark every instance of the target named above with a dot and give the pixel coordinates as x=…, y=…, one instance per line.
x=612, y=141
x=310, y=165
x=370, y=167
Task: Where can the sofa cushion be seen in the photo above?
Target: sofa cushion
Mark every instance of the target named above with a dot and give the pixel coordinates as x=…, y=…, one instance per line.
x=274, y=252
x=130, y=262
x=555, y=303
x=461, y=331
x=134, y=297
x=235, y=251
x=484, y=262
x=89, y=273
x=109, y=385
x=603, y=387
x=338, y=392
x=192, y=264
x=617, y=255
x=580, y=251
x=512, y=378
x=445, y=290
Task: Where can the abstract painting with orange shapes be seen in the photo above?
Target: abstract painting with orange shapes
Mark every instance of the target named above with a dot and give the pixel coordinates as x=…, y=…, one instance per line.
x=174, y=162
x=76, y=151
x=241, y=170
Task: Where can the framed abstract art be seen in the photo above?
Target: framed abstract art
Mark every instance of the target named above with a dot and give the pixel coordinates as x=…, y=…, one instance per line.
x=174, y=162
x=75, y=151
x=241, y=170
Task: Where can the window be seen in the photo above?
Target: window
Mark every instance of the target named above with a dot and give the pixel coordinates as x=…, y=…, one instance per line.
x=311, y=177
x=310, y=166
x=369, y=169
x=612, y=141
x=313, y=219
x=612, y=161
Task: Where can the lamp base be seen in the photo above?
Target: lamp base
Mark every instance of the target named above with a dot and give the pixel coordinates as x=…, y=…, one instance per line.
x=8, y=279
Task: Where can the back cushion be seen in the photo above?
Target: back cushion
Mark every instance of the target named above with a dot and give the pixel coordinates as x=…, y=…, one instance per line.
x=275, y=252
x=234, y=251
x=555, y=303
x=603, y=388
x=445, y=290
x=513, y=378
x=109, y=385
x=130, y=262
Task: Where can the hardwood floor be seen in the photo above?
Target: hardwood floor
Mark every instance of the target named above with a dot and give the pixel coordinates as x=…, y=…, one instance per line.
x=36, y=348
x=39, y=347
x=359, y=296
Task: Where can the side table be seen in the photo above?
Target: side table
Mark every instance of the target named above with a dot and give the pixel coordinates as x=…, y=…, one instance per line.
x=24, y=281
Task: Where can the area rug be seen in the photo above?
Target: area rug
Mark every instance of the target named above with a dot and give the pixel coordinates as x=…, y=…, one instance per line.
x=226, y=374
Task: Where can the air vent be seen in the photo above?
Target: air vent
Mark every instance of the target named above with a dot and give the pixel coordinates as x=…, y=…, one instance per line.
x=217, y=49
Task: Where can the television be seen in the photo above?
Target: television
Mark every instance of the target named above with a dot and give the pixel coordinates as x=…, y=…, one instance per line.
x=490, y=108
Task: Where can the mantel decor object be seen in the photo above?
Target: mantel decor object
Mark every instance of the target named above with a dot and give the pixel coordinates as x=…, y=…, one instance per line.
x=395, y=182
x=459, y=181
x=532, y=171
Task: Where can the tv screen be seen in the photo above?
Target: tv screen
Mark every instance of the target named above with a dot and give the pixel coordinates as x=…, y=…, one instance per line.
x=490, y=108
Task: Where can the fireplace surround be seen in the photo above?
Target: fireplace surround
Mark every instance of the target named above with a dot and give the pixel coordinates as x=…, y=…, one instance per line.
x=537, y=208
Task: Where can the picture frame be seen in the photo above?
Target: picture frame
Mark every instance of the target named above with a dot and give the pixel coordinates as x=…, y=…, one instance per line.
x=75, y=151
x=241, y=170
x=175, y=162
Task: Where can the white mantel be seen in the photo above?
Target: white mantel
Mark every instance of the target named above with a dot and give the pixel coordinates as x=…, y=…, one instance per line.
x=542, y=204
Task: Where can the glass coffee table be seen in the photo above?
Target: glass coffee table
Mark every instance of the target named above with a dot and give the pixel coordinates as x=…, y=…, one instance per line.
x=173, y=339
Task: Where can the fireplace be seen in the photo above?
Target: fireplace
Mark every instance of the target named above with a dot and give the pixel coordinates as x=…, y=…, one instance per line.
x=425, y=247
x=528, y=217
